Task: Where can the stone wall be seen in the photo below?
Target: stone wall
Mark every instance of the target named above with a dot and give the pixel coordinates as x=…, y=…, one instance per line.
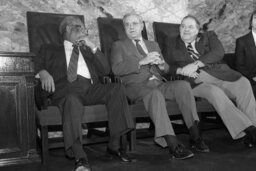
x=228, y=18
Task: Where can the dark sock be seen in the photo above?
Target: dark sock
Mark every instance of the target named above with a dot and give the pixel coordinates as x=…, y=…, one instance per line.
x=172, y=141
x=249, y=129
x=78, y=150
x=251, y=132
x=195, y=132
x=114, y=143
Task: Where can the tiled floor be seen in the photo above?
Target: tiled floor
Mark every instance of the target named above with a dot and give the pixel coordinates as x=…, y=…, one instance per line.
x=225, y=155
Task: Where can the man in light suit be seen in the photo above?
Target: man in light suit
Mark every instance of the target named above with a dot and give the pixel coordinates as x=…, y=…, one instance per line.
x=138, y=62
x=246, y=53
x=197, y=56
x=69, y=74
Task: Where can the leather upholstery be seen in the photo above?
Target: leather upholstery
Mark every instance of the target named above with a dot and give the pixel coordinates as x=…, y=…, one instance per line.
x=43, y=28
x=164, y=30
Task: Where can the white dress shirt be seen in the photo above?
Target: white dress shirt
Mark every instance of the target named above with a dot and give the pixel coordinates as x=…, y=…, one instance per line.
x=254, y=37
x=82, y=68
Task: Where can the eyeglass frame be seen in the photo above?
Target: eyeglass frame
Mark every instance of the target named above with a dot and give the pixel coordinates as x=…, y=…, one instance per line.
x=80, y=28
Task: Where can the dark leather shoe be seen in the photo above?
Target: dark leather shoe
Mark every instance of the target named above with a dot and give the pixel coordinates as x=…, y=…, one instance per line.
x=121, y=155
x=82, y=165
x=181, y=152
x=199, y=145
x=250, y=137
x=248, y=142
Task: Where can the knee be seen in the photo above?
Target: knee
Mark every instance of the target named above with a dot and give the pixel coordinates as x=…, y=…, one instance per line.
x=216, y=94
x=71, y=98
x=182, y=87
x=155, y=93
x=245, y=82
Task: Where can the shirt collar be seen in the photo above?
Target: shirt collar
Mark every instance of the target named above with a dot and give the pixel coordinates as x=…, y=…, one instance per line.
x=140, y=40
x=68, y=44
x=254, y=35
x=192, y=43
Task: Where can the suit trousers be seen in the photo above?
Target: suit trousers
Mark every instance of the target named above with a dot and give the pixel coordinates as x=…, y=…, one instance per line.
x=219, y=93
x=78, y=93
x=153, y=93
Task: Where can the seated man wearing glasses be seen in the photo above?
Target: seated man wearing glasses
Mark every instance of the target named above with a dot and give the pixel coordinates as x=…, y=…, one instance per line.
x=140, y=64
x=69, y=74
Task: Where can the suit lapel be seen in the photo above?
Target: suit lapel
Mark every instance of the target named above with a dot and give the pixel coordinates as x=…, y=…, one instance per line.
x=132, y=48
x=61, y=53
x=251, y=44
x=199, y=45
x=180, y=45
x=148, y=46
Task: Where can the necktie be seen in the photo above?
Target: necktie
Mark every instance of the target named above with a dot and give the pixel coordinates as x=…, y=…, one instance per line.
x=153, y=68
x=195, y=56
x=140, y=49
x=72, y=67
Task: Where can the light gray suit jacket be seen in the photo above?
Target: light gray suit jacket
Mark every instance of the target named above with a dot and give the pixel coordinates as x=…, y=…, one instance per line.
x=125, y=63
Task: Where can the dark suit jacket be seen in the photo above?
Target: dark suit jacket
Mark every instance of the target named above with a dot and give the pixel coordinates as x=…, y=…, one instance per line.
x=125, y=63
x=211, y=53
x=246, y=56
x=53, y=59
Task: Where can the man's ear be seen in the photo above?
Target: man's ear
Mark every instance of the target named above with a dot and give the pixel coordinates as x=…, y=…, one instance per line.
x=68, y=29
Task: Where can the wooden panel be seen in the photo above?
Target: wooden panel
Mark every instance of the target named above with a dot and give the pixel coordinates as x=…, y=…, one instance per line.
x=17, y=120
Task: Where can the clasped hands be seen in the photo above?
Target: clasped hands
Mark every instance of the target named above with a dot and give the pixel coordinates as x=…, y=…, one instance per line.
x=153, y=58
x=189, y=70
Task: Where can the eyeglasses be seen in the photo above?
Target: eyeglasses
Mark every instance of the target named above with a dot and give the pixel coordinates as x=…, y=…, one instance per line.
x=80, y=28
x=134, y=24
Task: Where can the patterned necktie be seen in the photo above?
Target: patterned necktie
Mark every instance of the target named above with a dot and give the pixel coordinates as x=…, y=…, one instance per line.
x=195, y=56
x=140, y=49
x=153, y=68
x=72, y=67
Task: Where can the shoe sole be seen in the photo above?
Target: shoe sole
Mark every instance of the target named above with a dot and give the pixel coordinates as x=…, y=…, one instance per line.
x=203, y=151
x=183, y=158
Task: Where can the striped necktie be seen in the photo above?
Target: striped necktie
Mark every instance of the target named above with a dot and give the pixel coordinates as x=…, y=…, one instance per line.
x=72, y=67
x=195, y=56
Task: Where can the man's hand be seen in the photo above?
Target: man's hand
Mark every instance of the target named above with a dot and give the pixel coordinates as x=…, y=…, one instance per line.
x=85, y=40
x=254, y=79
x=162, y=65
x=46, y=81
x=151, y=58
x=189, y=69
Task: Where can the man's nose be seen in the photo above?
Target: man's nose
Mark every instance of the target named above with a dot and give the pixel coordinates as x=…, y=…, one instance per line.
x=84, y=31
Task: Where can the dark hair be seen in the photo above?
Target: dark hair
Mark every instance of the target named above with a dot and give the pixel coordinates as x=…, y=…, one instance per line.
x=194, y=18
x=250, y=24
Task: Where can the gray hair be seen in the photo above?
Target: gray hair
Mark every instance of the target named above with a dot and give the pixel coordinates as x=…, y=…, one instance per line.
x=65, y=22
x=132, y=14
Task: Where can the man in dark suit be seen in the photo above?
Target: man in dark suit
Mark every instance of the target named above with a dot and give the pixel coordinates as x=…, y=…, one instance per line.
x=139, y=63
x=197, y=56
x=246, y=53
x=70, y=76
